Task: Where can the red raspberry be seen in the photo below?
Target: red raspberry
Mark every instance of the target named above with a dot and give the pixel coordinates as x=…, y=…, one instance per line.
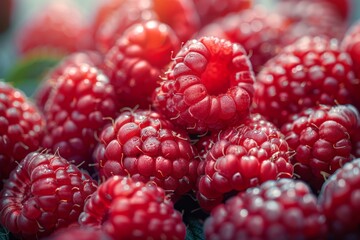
x=135, y=63
x=44, y=193
x=22, y=128
x=351, y=44
x=240, y=157
x=258, y=29
x=78, y=233
x=340, y=197
x=208, y=86
x=126, y=209
x=211, y=10
x=283, y=209
x=309, y=72
x=146, y=146
x=76, y=59
x=80, y=103
x=322, y=140
x=53, y=28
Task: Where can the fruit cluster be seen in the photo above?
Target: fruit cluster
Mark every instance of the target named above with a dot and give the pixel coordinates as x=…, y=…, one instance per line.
x=185, y=119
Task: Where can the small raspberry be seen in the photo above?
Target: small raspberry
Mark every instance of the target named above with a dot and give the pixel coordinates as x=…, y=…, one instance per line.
x=134, y=64
x=322, y=141
x=283, y=209
x=80, y=103
x=126, y=209
x=22, y=128
x=240, y=157
x=340, y=198
x=208, y=86
x=146, y=146
x=310, y=72
x=258, y=30
x=44, y=193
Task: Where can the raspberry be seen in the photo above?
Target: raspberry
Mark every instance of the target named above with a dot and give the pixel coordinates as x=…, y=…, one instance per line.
x=211, y=10
x=44, y=193
x=351, y=44
x=42, y=93
x=240, y=157
x=53, y=28
x=135, y=63
x=209, y=86
x=322, y=139
x=126, y=209
x=22, y=128
x=79, y=233
x=339, y=197
x=258, y=29
x=146, y=146
x=310, y=72
x=283, y=209
x=80, y=103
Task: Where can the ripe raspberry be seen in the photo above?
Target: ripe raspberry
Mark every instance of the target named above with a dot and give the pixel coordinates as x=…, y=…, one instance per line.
x=321, y=138
x=22, y=128
x=53, y=28
x=126, y=209
x=211, y=10
x=258, y=29
x=208, y=86
x=310, y=72
x=240, y=157
x=42, y=93
x=135, y=63
x=339, y=197
x=144, y=145
x=283, y=209
x=80, y=103
x=351, y=44
x=78, y=233
x=44, y=193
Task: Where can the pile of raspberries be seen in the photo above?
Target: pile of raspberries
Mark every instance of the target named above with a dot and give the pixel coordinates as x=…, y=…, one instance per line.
x=236, y=115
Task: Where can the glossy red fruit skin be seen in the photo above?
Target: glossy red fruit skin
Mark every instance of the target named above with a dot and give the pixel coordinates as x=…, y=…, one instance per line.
x=44, y=193
x=127, y=209
x=80, y=104
x=208, y=86
x=240, y=157
x=146, y=146
x=322, y=140
x=282, y=209
x=136, y=62
x=22, y=127
x=78, y=232
x=309, y=72
x=351, y=44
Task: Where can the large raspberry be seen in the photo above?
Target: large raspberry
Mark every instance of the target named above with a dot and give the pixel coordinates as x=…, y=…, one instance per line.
x=351, y=44
x=44, y=193
x=240, y=157
x=322, y=141
x=209, y=85
x=134, y=64
x=258, y=29
x=146, y=146
x=309, y=72
x=283, y=209
x=81, y=102
x=22, y=128
x=126, y=209
x=340, y=197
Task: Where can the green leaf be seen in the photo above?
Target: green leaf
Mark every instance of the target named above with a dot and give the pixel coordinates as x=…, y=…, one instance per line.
x=4, y=234
x=194, y=229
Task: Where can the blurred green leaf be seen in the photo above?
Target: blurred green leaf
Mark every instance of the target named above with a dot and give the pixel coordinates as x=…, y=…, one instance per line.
x=4, y=234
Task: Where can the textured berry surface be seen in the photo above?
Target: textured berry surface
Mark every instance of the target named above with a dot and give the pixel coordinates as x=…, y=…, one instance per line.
x=135, y=64
x=351, y=44
x=80, y=103
x=322, y=141
x=309, y=72
x=146, y=146
x=258, y=30
x=44, y=193
x=78, y=233
x=240, y=157
x=126, y=209
x=340, y=197
x=22, y=128
x=283, y=209
x=208, y=86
